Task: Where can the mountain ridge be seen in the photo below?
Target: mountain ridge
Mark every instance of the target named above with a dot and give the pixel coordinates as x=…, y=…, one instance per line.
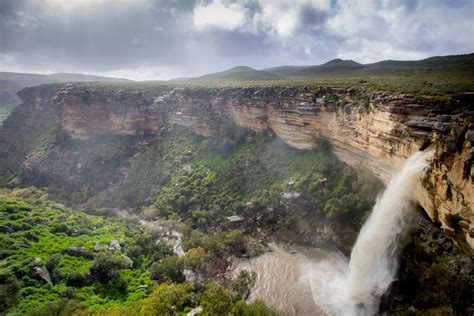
x=339, y=67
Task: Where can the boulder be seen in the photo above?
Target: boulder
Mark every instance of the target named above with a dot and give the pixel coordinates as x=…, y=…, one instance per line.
x=114, y=245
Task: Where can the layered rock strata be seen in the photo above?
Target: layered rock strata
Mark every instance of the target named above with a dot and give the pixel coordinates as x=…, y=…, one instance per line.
x=376, y=130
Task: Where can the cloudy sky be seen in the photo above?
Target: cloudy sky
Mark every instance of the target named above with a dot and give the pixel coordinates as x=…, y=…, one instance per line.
x=162, y=39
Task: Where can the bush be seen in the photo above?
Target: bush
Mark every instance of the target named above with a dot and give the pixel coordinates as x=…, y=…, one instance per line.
x=52, y=266
x=196, y=257
x=244, y=283
x=168, y=299
x=105, y=268
x=216, y=300
x=169, y=269
x=63, y=307
x=9, y=293
x=75, y=279
x=255, y=308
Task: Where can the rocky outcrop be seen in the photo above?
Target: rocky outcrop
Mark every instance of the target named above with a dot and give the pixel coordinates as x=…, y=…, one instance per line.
x=378, y=130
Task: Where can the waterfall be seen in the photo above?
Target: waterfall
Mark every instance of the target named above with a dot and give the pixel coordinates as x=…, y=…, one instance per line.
x=357, y=288
x=374, y=258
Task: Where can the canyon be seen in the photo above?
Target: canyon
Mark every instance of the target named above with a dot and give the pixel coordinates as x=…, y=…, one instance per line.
x=376, y=130
x=266, y=161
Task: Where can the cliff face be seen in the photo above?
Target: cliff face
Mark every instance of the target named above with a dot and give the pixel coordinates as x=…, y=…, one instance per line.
x=376, y=130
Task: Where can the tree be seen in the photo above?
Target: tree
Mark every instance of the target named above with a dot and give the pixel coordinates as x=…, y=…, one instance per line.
x=9, y=293
x=196, y=257
x=75, y=279
x=52, y=266
x=244, y=283
x=257, y=307
x=216, y=300
x=168, y=269
x=168, y=299
x=105, y=268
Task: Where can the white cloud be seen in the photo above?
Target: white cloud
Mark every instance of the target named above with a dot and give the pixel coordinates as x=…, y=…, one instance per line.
x=72, y=5
x=372, y=30
x=283, y=17
x=218, y=15
x=128, y=36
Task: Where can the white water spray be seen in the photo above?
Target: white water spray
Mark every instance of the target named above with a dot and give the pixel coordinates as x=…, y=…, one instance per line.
x=374, y=260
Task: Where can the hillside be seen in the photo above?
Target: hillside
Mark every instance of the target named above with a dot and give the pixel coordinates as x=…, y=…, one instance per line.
x=231, y=169
x=456, y=68
x=29, y=80
x=240, y=73
x=333, y=67
x=12, y=82
x=54, y=258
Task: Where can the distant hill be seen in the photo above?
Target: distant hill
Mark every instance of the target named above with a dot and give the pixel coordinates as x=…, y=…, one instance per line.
x=29, y=80
x=340, y=67
x=72, y=77
x=240, y=73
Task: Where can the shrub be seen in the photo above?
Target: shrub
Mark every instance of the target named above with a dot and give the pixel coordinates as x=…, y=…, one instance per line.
x=169, y=269
x=9, y=293
x=255, y=308
x=75, y=279
x=196, y=257
x=105, y=268
x=168, y=299
x=52, y=266
x=216, y=300
x=244, y=283
x=63, y=307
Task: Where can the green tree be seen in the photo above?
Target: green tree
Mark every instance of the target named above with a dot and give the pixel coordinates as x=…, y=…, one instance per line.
x=168, y=299
x=52, y=266
x=9, y=293
x=75, y=279
x=256, y=308
x=168, y=269
x=216, y=300
x=105, y=268
x=244, y=283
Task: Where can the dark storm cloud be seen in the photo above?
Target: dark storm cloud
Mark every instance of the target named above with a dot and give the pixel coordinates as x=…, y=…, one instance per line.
x=100, y=39
x=166, y=38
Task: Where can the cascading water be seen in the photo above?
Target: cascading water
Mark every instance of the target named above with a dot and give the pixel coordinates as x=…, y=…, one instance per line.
x=374, y=258
x=320, y=282
x=356, y=289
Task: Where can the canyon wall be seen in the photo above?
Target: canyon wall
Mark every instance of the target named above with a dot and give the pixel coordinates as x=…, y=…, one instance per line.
x=378, y=130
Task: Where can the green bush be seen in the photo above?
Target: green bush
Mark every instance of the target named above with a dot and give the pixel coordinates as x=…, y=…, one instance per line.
x=244, y=283
x=169, y=269
x=105, y=268
x=9, y=293
x=75, y=279
x=216, y=300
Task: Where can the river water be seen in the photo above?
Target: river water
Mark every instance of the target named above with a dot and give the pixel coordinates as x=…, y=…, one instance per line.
x=286, y=279
x=303, y=281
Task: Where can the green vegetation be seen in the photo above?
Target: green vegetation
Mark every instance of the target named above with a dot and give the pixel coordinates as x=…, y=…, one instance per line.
x=225, y=195
x=261, y=180
x=436, y=276
x=55, y=260
x=431, y=76
x=46, y=248
x=87, y=264
x=240, y=73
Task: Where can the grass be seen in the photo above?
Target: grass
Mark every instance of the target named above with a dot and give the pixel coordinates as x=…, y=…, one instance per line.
x=47, y=229
x=430, y=79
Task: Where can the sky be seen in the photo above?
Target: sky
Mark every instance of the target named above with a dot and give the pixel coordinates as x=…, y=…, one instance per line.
x=163, y=39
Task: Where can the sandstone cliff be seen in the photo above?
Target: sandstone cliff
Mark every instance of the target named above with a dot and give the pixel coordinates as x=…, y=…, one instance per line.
x=376, y=130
